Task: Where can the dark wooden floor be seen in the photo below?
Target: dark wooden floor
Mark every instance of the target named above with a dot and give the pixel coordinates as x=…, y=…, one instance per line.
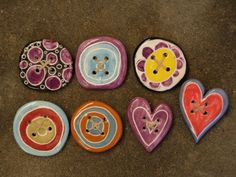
x=205, y=30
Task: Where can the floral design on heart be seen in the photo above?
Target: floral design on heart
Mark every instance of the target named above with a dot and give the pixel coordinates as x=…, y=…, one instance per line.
x=149, y=127
x=201, y=111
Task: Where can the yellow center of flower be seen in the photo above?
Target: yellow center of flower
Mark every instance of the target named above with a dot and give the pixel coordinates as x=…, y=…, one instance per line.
x=160, y=65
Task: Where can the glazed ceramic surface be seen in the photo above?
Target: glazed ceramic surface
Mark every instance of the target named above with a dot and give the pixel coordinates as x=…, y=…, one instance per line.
x=201, y=111
x=150, y=127
x=45, y=65
x=101, y=63
x=159, y=64
x=96, y=126
x=40, y=128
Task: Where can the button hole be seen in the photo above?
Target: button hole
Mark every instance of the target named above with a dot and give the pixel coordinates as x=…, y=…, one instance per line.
x=167, y=69
x=206, y=104
x=106, y=58
x=144, y=128
x=94, y=72
x=165, y=54
x=156, y=130
x=33, y=134
x=106, y=72
x=49, y=128
x=94, y=57
x=192, y=101
x=87, y=130
x=144, y=117
x=192, y=111
x=205, y=113
x=102, y=133
x=152, y=57
x=154, y=71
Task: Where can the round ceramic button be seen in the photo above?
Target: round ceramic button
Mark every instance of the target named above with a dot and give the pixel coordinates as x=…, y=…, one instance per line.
x=96, y=126
x=45, y=65
x=101, y=63
x=41, y=128
x=159, y=64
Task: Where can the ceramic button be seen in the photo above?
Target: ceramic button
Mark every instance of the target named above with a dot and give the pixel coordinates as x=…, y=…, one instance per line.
x=150, y=127
x=159, y=64
x=40, y=128
x=101, y=63
x=201, y=111
x=96, y=126
x=45, y=65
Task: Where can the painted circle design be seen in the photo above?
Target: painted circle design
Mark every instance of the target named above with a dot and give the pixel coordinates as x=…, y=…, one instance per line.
x=159, y=64
x=42, y=61
x=101, y=63
x=41, y=128
x=96, y=126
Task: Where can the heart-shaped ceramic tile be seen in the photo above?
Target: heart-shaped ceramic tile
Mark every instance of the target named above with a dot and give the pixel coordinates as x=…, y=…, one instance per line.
x=201, y=111
x=149, y=127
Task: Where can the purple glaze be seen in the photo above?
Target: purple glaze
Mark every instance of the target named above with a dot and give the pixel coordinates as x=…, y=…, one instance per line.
x=49, y=44
x=67, y=74
x=176, y=52
x=161, y=45
x=167, y=82
x=147, y=51
x=35, y=75
x=23, y=64
x=179, y=64
x=123, y=68
x=46, y=65
x=149, y=127
x=154, y=85
x=141, y=65
x=51, y=58
x=176, y=74
x=65, y=56
x=53, y=83
x=143, y=77
x=35, y=54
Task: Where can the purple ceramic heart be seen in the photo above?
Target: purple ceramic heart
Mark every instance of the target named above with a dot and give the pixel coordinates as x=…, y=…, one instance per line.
x=149, y=127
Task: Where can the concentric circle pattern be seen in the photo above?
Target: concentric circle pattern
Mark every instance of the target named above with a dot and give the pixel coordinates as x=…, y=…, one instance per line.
x=96, y=126
x=101, y=63
x=41, y=128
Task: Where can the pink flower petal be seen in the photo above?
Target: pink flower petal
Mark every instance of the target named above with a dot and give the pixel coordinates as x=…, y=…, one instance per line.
x=167, y=82
x=176, y=52
x=147, y=51
x=154, y=85
x=161, y=45
x=140, y=65
x=179, y=64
